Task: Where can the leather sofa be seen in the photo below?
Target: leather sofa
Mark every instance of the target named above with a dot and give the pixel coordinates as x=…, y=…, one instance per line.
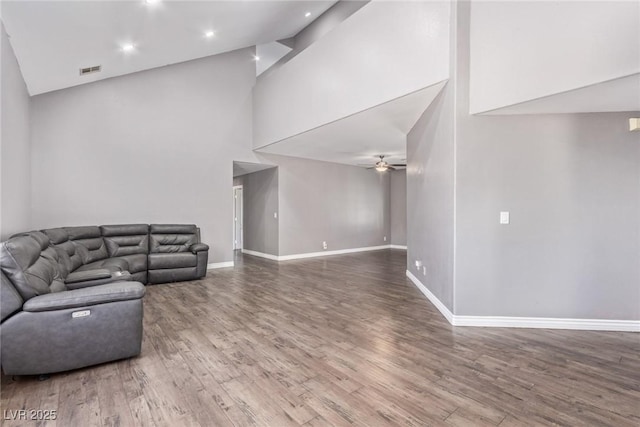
x=156, y=253
x=72, y=296
x=48, y=327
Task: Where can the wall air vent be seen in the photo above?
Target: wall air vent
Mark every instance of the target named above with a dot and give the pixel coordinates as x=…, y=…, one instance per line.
x=90, y=70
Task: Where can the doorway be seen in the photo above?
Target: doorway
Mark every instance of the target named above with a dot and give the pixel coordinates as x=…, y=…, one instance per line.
x=237, y=217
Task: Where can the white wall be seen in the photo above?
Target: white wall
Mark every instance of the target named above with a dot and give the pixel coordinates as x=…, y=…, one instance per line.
x=326, y=22
x=15, y=149
x=523, y=50
x=383, y=51
x=154, y=146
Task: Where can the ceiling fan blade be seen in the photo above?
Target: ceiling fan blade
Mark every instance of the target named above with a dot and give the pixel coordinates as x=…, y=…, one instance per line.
x=399, y=164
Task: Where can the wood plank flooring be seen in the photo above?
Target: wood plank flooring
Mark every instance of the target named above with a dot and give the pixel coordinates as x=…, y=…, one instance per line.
x=343, y=340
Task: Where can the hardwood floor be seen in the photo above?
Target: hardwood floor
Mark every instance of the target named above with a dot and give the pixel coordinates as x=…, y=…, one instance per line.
x=337, y=341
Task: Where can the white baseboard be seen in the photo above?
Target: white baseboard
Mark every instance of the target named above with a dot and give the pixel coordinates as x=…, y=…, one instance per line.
x=314, y=254
x=431, y=297
x=219, y=265
x=548, y=323
x=328, y=253
x=398, y=247
x=526, y=322
x=260, y=254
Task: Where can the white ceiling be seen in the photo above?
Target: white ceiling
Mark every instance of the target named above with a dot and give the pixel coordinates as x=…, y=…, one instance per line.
x=268, y=54
x=360, y=138
x=54, y=39
x=244, y=168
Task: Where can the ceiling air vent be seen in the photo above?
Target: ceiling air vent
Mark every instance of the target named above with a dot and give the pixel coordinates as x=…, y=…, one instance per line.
x=90, y=70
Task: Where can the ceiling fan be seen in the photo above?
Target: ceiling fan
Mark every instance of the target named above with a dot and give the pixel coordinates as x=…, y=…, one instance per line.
x=381, y=165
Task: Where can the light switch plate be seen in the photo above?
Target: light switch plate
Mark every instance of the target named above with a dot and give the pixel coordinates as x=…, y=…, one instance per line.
x=504, y=217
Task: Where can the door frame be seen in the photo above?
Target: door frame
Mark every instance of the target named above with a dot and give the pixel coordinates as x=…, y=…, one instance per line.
x=235, y=217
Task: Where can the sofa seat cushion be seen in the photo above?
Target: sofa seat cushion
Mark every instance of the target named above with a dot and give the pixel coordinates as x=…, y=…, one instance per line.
x=111, y=264
x=172, y=260
x=137, y=262
x=103, y=294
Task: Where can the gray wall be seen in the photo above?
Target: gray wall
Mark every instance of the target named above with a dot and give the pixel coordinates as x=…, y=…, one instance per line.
x=431, y=190
x=154, y=146
x=430, y=197
x=260, y=199
x=15, y=149
x=572, y=185
x=346, y=206
x=398, y=207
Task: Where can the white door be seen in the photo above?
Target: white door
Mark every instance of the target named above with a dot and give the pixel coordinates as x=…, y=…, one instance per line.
x=237, y=218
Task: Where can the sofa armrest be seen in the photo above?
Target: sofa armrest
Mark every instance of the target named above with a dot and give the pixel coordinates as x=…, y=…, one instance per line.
x=115, y=276
x=112, y=292
x=198, y=247
x=84, y=276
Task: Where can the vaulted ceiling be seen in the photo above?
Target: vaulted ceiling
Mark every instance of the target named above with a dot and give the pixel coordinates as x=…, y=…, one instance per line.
x=53, y=40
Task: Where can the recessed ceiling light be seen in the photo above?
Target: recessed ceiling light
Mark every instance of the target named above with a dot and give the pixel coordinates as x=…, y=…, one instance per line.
x=256, y=58
x=128, y=47
x=209, y=34
x=308, y=14
x=151, y=1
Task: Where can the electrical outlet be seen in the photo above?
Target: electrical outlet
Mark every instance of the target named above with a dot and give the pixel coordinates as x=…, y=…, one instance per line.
x=324, y=245
x=385, y=238
x=275, y=215
x=424, y=270
x=418, y=264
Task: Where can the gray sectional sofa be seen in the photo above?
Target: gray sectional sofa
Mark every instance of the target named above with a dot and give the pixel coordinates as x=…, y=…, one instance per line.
x=71, y=297
x=155, y=253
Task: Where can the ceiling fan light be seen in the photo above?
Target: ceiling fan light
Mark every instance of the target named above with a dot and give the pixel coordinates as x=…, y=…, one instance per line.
x=382, y=168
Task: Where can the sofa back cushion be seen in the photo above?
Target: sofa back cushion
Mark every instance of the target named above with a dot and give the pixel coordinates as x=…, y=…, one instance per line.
x=129, y=239
x=89, y=242
x=166, y=238
x=10, y=299
x=31, y=264
x=68, y=254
